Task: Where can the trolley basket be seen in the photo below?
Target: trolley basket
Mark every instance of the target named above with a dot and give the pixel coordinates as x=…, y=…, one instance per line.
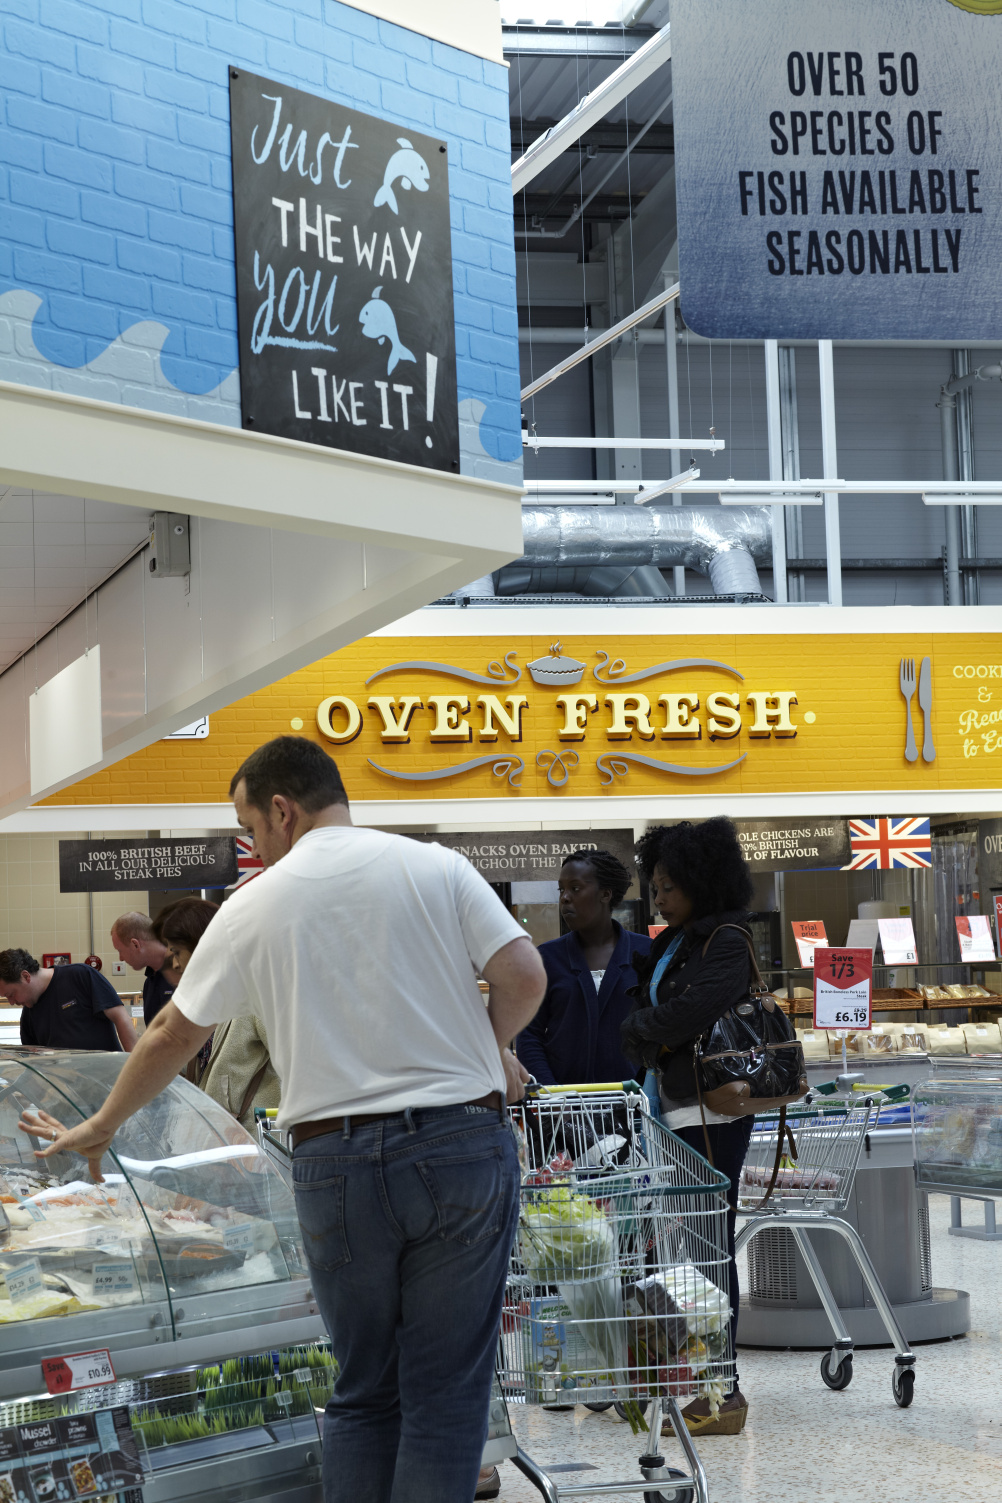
x=617, y=1288
x=811, y=1169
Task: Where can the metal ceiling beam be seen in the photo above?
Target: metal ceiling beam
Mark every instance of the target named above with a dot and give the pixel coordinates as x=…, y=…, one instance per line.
x=594, y=107
x=573, y=41
x=615, y=332
x=611, y=135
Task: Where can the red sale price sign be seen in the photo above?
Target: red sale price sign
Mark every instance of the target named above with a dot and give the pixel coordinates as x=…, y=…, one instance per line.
x=80, y=1370
x=843, y=983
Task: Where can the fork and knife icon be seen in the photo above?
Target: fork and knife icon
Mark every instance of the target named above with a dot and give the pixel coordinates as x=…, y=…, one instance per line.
x=907, y=681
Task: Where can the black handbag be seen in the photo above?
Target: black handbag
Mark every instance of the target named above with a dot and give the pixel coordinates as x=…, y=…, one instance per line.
x=751, y=1059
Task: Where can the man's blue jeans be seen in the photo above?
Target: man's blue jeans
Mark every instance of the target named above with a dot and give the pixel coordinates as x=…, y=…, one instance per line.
x=408, y=1224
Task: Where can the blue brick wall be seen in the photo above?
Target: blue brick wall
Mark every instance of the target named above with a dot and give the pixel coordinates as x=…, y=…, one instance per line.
x=116, y=240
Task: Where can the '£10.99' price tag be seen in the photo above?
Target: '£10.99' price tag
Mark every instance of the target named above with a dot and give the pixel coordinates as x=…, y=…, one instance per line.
x=78, y=1370
x=843, y=982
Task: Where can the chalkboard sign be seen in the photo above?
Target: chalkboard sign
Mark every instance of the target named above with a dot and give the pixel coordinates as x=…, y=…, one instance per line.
x=117, y=865
x=344, y=277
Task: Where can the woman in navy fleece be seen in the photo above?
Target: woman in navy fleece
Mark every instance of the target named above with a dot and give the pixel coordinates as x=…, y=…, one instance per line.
x=575, y=1035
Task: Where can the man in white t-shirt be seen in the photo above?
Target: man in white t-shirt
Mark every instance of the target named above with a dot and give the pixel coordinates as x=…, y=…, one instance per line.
x=358, y=953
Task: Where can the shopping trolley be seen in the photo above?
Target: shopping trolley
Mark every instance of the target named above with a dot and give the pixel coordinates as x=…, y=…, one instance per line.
x=616, y=1292
x=823, y=1140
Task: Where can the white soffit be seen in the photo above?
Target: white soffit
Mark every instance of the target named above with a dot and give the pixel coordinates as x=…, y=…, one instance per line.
x=471, y=25
x=673, y=620
x=79, y=446
x=65, y=723
x=516, y=814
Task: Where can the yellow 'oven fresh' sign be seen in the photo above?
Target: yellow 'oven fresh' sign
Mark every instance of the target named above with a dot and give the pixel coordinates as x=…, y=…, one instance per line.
x=476, y=717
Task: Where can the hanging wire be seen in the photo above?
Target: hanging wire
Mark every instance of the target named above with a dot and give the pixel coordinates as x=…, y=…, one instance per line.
x=34, y=588
x=751, y=401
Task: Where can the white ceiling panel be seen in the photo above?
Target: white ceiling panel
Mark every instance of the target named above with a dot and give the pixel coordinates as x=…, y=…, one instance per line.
x=54, y=550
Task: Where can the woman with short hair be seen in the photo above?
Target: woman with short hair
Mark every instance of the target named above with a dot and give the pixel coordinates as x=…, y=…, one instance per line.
x=575, y=1036
x=698, y=969
x=237, y=1070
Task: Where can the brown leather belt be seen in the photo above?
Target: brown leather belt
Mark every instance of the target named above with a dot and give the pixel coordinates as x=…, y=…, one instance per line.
x=305, y=1130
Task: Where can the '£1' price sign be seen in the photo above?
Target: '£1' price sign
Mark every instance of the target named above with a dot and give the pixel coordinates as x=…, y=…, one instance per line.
x=843, y=981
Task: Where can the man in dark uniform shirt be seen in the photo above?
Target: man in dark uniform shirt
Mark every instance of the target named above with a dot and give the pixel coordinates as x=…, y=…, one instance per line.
x=66, y=1006
x=136, y=944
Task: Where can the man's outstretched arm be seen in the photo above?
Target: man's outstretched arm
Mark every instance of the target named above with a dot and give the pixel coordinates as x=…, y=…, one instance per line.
x=162, y=1052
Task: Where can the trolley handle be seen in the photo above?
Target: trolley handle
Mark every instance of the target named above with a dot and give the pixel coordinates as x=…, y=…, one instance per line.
x=630, y=1087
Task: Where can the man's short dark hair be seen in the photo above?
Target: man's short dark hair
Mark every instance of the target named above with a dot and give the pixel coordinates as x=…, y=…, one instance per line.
x=293, y=768
x=13, y=962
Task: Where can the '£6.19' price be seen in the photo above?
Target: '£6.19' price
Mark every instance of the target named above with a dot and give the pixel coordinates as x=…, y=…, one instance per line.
x=853, y=1015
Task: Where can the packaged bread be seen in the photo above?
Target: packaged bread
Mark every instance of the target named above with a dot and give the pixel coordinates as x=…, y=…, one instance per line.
x=976, y=991
x=875, y=1042
x=982, y=1038
x=815, y=1042
x=945, y=1040
x=912, y=1040
x=956, y=992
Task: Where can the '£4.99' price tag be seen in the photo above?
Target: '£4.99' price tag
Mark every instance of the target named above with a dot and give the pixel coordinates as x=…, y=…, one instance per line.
x=843, y=982
x=79, y=1370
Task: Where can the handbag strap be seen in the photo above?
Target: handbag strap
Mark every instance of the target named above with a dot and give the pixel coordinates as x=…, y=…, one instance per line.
x=702, y=1118
x=756, y=973
x=784, y=1132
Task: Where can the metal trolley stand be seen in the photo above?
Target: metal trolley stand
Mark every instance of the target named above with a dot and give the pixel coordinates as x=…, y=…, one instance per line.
x=616, y=1291
x=824, y=1142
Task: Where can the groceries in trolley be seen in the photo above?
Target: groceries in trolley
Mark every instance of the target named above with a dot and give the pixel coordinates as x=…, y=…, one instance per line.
x=616, y=1292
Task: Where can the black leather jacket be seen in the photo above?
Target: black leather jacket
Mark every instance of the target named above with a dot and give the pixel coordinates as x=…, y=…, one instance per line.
x=694, y=992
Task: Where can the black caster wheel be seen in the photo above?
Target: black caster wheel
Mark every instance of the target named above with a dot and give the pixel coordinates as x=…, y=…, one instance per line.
x=684, y=1493
x=903, y=1386
x=600, y=1408
x=622, y=1411
x=841, y=1376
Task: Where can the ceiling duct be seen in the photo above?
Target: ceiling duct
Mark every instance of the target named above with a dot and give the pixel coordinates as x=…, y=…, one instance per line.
x=619, y=550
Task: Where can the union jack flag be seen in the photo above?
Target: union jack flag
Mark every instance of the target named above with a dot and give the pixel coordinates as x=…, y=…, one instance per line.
x=887, y=843
x=249, y=864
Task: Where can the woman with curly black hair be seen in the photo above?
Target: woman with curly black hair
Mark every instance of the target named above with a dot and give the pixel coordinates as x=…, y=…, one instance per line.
x=574, y=1036
x=697, y=970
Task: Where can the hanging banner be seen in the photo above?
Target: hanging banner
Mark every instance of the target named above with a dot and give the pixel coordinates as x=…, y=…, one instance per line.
x=787, y=845
x=112, y=865
x=344, y=277
x=837, y=168
x=533, y=855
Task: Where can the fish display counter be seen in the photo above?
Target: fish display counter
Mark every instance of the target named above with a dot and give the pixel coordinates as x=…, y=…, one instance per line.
x=174, y=1296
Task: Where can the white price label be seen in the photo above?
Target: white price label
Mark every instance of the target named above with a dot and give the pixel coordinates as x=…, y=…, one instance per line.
x=24, y=1280
x=87, y=1369
x=849, y=1008
x=239, y=1239
x=843, y=982
x=34, y=1211
x=114, y=1278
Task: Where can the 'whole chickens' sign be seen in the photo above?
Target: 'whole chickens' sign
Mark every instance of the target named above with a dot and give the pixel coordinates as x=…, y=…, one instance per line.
x=344, y=277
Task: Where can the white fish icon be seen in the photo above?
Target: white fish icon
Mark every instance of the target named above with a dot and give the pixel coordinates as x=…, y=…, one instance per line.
x=407, y=165
x=378, y=322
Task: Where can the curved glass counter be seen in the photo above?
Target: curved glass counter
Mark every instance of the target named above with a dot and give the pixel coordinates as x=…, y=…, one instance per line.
x=193, y=1231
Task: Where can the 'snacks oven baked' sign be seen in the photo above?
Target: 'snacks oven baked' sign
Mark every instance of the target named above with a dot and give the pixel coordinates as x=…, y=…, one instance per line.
x=344, y=277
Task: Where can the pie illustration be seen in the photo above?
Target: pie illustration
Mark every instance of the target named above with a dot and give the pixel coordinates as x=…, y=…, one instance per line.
x=556, y=669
